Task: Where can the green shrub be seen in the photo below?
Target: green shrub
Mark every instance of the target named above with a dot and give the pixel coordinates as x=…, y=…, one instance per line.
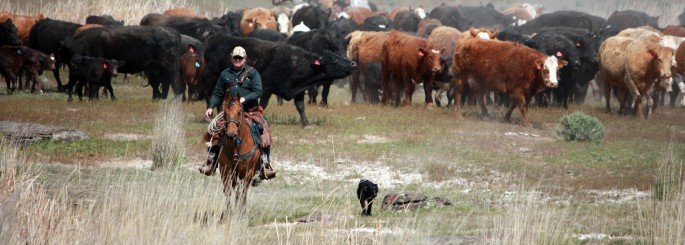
x=580, y=127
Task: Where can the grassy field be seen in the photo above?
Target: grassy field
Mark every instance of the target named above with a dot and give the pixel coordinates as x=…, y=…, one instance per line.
x=507, y=184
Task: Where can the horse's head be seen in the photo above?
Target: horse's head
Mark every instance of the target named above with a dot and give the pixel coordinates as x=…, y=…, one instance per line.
x=232, y=114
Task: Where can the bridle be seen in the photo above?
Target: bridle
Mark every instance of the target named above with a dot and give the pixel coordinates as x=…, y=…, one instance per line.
x=236, y=137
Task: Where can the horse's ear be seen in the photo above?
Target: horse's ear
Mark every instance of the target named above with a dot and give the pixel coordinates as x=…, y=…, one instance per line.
x=227, y=98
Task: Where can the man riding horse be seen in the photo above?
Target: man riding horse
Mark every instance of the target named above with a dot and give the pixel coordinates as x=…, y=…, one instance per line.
x=244, y=80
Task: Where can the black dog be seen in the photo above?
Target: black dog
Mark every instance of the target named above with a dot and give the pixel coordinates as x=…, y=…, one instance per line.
x=366, y=192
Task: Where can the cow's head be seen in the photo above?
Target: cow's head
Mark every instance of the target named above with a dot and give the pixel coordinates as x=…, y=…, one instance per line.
x=335, y=65
x=430, y=58
x=283, y=23
x=569, y=54
x=47, y=62
x=662, y=58
x=112, y=66
x=548, y=68
x=8, y=34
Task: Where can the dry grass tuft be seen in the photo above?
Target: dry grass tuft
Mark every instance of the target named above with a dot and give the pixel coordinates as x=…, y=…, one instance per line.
x=528, y=220
x=168, y=145
x=662, y=219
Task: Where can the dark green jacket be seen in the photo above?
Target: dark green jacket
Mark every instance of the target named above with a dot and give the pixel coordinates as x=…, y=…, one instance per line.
x=250, y=88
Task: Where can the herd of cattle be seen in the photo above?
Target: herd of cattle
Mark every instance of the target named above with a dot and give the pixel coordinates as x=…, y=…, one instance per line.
x=468, y=52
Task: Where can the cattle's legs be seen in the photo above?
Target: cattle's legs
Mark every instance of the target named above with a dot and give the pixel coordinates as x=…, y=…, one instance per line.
x=520, y=101
x=312, y=92
x=55, y=72
x=354, y=84
x=482, y=100
x=299, y=104
x=622, y=101
x=154, y=83
x=428, y=90
x=408, y=91
x=325, y=90
x=607, y=96
x=108, y=86
x=385, y=79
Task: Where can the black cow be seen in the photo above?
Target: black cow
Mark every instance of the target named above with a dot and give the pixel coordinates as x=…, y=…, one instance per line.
x=93, y=71
x=188, y=41
x=342, y=27
x=563, y=48
x=318, y=41
x=268, y=35
x=372, y=82
x=480, y=17
x=313, y=17
x=406, y=21
x=574, y=19
x=588, y=45
x=450, y=16
x=149, y=49
x=366, y=192
x=286, y=70
x=514, y=35
x=630, y=18
x=47, y=36
x=197, y=28
x=8, y=34
x=229, y=22
x=375, y=23
x=105, y=20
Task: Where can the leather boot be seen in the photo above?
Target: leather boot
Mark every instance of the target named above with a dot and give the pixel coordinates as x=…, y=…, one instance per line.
x=267, y=171
x=212, y=155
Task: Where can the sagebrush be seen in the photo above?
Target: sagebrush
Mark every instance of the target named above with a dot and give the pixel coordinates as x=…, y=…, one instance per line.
x=580, y=127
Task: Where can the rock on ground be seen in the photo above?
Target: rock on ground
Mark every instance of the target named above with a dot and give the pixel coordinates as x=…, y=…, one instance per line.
x=25, y=133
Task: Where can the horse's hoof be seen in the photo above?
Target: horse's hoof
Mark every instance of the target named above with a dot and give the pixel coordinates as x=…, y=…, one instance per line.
x=256, y=181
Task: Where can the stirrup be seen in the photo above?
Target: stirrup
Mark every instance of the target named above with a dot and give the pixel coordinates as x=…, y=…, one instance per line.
x=267, y=173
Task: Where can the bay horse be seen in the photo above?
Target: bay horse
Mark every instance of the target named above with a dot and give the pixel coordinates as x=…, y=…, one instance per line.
x=240, y=154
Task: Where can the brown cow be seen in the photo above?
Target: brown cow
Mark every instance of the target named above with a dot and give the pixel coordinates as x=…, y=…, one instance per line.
x=411, y=60
x=359, y=14
x=633, y=65
x=15, y=59
x=257, y=18
x=491, y=65
x=446, y=37
x=86, y=27
x=23, y=23
x=32, y=72
x=523, y=12
x=678, y=31
x=192, y=66
x=186, y=12
x=426, y=26
x=364, y=48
